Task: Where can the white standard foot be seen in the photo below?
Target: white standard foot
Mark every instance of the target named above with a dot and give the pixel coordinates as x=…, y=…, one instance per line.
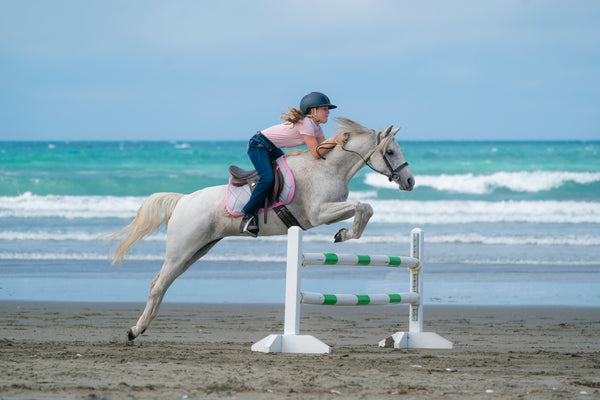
x=416, y=340
x=291, y=344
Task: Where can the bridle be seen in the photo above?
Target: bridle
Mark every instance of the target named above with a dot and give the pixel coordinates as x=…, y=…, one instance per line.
x=394, y=172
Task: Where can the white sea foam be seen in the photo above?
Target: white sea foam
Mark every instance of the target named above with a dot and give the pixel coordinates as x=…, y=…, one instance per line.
x=29, y=205
x=523, y=181
x=48, y=256
x=363, y=195
x=386, y=211
x=469, y=238
x=473, y=238
x=66, y=236
x=463, y=212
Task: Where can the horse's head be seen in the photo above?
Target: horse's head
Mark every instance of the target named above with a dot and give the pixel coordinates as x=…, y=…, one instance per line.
x=380, y=151
x=389, y=160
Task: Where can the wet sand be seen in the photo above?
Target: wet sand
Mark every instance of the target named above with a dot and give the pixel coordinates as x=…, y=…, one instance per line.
x=200, y=351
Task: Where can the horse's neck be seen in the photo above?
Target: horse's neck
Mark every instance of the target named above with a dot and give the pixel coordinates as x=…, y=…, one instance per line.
x=347, y=162
x=344, y=165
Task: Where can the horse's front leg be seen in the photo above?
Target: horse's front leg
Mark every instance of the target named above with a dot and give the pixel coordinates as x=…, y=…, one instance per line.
x=330, y=213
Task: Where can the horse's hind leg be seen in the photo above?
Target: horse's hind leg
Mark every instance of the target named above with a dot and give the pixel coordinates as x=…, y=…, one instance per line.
x=168, y=273
x=171, y=269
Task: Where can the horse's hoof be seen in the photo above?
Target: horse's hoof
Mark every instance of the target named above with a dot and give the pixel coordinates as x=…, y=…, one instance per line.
x=340, y=236
x=130, y=335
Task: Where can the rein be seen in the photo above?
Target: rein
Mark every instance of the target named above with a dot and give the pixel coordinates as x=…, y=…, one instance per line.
x=394, y=172
x=326, y=146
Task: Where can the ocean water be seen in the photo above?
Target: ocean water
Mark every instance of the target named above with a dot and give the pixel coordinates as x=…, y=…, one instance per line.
x=504, y=223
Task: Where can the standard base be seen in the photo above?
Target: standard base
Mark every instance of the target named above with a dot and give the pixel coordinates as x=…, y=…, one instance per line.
x=416, y=340
x=291, y=344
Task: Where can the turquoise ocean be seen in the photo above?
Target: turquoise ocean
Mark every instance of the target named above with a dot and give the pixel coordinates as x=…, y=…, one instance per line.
x=504, y=223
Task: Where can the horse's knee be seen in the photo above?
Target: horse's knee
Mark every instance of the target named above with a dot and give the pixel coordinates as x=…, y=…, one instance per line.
x=362, y=213
x=366, y=210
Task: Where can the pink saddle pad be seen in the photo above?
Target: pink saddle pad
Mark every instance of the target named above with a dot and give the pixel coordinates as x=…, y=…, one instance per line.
x=238, y=196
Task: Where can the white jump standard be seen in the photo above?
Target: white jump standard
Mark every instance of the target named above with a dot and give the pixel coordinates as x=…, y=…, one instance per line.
x=292, y=342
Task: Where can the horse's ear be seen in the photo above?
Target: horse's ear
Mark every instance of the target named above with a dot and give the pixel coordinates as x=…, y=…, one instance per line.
x=390, y=131
x=387, y=131
x=345, y=138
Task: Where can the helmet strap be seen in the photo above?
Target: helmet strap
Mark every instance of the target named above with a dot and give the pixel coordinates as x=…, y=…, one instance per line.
x=313, y=115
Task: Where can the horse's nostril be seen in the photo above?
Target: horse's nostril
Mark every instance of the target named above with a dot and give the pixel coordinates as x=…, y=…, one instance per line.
x=411, y=182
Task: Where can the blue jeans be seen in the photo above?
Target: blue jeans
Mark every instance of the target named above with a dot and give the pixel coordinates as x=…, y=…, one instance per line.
x=261, y=151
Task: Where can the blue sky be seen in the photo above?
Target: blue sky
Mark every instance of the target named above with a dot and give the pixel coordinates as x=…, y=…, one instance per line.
x=199, y=70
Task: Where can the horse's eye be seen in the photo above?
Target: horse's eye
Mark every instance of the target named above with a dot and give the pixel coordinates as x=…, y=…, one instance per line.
x=390, y=152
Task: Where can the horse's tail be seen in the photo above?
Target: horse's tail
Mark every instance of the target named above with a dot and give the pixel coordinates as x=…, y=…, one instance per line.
x=154, y=212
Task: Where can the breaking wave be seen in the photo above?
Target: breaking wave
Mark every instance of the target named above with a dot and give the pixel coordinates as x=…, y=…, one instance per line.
x=538, y=181
x=386, y=211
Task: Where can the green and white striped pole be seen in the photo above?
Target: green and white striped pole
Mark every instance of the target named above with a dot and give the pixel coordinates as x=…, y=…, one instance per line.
x=363, y=260
x=358, y=299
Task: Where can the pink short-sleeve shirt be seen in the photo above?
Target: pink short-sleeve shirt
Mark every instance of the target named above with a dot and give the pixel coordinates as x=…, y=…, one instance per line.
x=290, y=135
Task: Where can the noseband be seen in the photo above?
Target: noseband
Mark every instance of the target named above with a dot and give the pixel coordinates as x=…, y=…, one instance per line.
x=395, y=173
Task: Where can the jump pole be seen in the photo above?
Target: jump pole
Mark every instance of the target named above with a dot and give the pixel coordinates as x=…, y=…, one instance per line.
x=292, y=342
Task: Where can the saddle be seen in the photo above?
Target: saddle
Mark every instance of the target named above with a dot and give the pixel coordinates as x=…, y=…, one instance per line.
x=241, y=177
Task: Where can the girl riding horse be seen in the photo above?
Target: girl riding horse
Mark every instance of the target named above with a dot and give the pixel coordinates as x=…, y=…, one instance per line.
x=302, y=127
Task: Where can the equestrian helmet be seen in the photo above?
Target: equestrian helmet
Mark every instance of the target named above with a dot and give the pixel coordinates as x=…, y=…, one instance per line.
x=315, y=99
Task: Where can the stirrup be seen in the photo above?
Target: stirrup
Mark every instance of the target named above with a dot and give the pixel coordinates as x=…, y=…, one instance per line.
x=249, y=225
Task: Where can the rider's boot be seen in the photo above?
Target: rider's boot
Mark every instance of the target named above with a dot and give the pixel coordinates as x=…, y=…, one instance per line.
x=249, y=225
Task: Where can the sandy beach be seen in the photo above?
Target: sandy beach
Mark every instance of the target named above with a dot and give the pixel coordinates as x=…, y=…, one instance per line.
x=197, y=351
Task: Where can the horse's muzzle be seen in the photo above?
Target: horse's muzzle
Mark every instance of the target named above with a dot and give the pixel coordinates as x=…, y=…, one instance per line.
x=407, y=185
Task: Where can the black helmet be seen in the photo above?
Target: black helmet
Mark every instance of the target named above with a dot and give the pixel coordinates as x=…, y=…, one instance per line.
x=315, y=99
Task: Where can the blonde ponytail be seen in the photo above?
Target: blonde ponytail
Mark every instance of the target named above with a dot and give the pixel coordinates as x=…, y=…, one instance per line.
x=293, y=115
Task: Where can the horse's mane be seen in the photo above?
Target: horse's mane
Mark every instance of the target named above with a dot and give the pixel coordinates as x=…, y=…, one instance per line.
x=351, y=127
x=295, y=152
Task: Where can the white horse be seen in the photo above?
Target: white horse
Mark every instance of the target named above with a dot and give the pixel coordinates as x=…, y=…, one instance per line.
x=197, y=221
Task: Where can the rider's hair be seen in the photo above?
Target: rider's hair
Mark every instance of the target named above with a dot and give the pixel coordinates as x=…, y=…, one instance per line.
x=293, y=115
